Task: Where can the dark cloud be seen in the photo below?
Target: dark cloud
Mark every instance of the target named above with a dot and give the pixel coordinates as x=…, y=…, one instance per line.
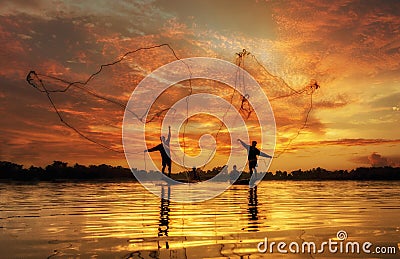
x=343, y=143
x=32, y=43
x=388, y=101
x=377, y=160
x=21, y=6
x=359, y=142
x=339, y=101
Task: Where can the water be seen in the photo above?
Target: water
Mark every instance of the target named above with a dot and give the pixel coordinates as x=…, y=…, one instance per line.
x=123, y=220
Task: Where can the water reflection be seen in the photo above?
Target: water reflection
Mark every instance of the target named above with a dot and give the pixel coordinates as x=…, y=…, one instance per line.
x=163, y=227
x=253, y=210
x=123, y=220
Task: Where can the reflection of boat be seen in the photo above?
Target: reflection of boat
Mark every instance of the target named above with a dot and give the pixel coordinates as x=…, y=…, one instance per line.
x=242, y=182
x=253, y=179
x=171, y=183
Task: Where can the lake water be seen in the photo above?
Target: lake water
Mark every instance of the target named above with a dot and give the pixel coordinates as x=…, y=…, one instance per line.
x=123, y=220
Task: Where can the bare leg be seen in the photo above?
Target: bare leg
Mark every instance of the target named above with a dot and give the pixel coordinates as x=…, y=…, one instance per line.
x=253, y=177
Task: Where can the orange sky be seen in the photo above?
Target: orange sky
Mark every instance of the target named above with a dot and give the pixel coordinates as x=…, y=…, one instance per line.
x=352, y=48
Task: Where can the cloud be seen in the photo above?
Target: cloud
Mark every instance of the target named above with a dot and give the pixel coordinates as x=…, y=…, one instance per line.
x=251, y=18
x=345, y=38
x=21, y=6
x=377, y=160
x=298, y=144
x=390, y=100
x=359, y=142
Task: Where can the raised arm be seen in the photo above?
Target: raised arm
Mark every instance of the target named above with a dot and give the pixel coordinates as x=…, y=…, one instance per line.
x=169, y=135
x=244, y=144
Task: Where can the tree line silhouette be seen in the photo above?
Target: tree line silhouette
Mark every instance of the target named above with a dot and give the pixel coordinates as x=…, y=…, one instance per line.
x=59, y=170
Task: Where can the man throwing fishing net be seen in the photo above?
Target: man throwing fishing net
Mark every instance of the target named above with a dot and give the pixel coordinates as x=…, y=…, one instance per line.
x=165, y=152
x=252, y=153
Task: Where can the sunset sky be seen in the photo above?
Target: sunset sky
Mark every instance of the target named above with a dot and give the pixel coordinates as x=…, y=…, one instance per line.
x=351, y=48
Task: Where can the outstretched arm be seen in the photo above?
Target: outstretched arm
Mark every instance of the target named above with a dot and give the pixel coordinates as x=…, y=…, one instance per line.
x=244, y=144
x=265, y=155
x=152, y=149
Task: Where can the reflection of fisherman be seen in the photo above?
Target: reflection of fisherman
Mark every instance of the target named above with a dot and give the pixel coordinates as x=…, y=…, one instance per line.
x=252, y=153
x=252, y=209
x=164, y=149
x=163, y=225
x=234, y=174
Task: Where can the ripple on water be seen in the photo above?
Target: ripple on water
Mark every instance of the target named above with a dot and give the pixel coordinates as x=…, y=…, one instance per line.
x=95, y=219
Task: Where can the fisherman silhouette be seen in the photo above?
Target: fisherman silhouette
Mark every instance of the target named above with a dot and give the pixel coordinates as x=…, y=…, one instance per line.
x=165, y=152
x=252, y=153
x=195, y=175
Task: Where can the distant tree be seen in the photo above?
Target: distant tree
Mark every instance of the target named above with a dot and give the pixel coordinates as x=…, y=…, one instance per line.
x=59, y=170
x=9, y=170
